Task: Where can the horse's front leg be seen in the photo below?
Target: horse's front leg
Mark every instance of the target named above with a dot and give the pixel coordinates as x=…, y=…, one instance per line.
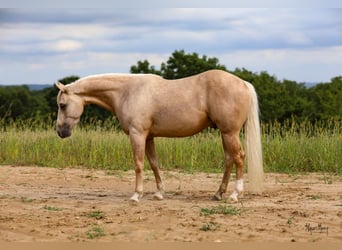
x=138, y=147
x=152, y=158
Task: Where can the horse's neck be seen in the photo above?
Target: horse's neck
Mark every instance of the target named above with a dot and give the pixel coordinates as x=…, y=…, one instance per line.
x=103, y=92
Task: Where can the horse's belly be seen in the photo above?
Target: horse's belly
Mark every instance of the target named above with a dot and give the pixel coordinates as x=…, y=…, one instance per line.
x=179, y=126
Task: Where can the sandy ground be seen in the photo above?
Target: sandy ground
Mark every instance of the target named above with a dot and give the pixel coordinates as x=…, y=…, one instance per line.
x=44, y=204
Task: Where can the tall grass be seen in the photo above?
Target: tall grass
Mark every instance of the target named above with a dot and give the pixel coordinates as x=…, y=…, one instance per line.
x=303, y=147
x=291, y=148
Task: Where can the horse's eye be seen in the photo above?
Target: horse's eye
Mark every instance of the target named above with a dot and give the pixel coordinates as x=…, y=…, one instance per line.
x=62, y=106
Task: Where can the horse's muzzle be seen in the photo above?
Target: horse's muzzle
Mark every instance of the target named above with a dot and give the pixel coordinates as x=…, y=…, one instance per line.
x=63, y=131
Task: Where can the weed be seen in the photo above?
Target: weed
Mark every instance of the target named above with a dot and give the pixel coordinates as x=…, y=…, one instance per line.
x=340, y=205
x=95, y=232
x=290, y=221
x=96, y=214
x=314, y=197
x=26, y=200
x=313, y=239
x=221, y=209
x=7, y=196
x=113, y=172
x=51, y=208
x=210, y=226
x=326, y=179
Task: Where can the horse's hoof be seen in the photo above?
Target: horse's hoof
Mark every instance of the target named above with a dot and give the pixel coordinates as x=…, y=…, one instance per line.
x=217, y=197
x=135, y=197
x=158, y=196
x=233, y=198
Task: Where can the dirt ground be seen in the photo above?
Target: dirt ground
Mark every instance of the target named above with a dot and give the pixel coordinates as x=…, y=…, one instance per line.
x=62, y=205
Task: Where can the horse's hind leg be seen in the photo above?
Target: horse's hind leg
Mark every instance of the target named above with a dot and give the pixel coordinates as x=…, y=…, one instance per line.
x=228, y=169
x=233, y=154
x=152, y=158
x=239, y=158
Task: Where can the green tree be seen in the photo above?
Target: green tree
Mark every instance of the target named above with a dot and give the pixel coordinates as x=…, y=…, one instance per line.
x=295, y=99
x=18, y=102
x=144, y=67
x=179, y=65
x=326, y=100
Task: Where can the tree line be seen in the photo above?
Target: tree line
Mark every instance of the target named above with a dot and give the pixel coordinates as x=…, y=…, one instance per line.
x=279, y=100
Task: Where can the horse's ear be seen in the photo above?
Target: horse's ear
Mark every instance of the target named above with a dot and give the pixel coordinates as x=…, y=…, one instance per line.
x=61, y=87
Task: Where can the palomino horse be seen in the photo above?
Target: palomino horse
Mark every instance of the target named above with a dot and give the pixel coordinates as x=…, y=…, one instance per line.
x=149, y=106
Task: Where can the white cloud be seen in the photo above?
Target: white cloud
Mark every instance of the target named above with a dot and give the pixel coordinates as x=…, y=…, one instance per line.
x=290, y=43
x=172, y=4
x=311, y=65
x=67, y=45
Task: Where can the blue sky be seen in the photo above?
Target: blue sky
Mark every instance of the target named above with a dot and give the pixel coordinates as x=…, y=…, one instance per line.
x=39, y=45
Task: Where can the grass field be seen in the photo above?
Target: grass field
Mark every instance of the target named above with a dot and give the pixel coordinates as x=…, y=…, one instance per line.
x=290, y=148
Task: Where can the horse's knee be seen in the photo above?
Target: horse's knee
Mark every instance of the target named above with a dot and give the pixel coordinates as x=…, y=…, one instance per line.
x=138, y=170
x=239, y=158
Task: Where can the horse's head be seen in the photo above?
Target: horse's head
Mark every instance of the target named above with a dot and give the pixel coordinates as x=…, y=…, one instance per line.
x=70, y=109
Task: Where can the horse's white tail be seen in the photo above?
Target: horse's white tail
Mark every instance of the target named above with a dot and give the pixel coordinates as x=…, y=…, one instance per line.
x=253, y=145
